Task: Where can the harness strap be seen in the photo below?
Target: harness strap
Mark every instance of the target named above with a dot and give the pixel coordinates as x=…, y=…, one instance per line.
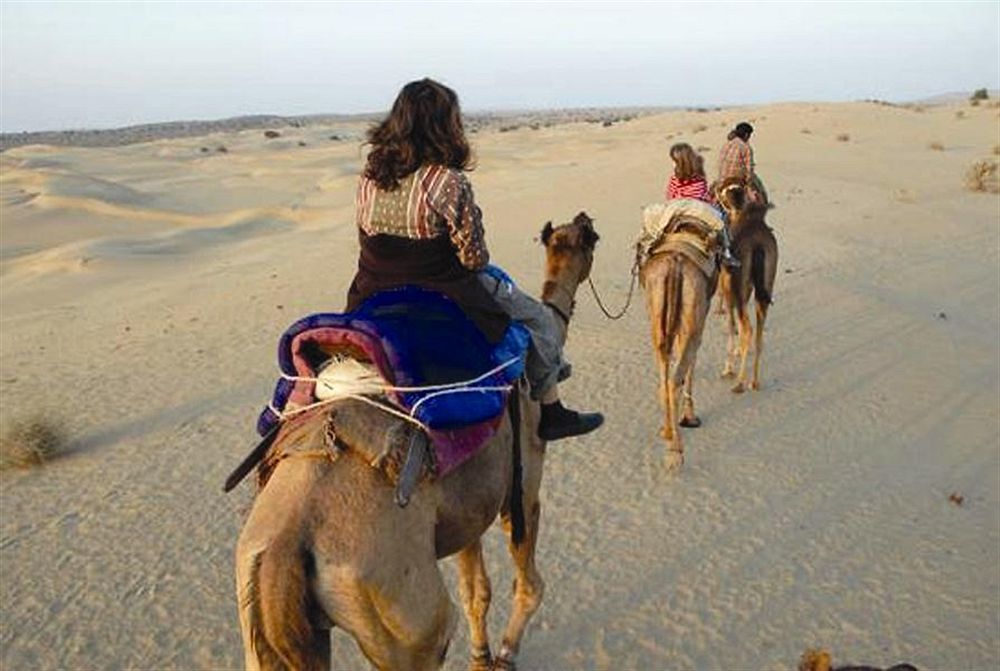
x=516, y=484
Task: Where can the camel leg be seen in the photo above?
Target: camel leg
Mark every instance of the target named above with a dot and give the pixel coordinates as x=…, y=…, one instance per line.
x=401, y=630
x=474, y=585
x=731, y=345
x=721, y=306
x=759, y=344
x=680, y=381
x=655, y=303
x=689, y=419
x=668, y=430
x=528, y=584
x=746, y=333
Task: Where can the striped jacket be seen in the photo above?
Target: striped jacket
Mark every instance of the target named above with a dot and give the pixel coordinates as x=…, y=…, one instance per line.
x=695, y=188
x=431, y=202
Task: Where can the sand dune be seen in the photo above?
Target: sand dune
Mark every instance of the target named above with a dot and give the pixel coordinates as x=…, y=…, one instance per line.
x=144, y=288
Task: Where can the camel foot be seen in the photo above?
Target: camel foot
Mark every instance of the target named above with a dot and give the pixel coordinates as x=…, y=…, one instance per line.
x=755, y=385
x=482, y=660
x=666, y=433
x=504, y=664
x=738, y=388
x=692, y=422
x=673, y=461
x=728, y=374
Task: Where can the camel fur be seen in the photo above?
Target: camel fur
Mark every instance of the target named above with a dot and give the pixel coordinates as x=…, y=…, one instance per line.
x=325, y=544
x=756, y=248
x=678, y=288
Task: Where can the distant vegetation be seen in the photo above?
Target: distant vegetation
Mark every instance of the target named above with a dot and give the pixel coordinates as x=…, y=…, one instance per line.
x=982, y=177
x=980, y=94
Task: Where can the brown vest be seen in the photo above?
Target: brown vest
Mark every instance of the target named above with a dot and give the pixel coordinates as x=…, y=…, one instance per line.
x=389, y=261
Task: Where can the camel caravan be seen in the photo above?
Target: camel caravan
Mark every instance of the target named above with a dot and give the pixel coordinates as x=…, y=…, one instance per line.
x=402, y=428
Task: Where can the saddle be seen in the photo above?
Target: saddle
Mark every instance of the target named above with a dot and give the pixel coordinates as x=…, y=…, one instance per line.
x=407, y=352
x=686, y=226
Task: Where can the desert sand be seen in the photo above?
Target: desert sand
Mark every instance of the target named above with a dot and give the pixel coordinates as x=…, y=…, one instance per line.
x=144, y=288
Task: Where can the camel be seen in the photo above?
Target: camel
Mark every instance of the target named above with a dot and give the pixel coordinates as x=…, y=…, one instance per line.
x=678, y=294
x=326, y=545
x=757, y=250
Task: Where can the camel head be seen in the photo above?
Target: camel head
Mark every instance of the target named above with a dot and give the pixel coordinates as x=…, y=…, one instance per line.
x=569, y=249
x=731, y=193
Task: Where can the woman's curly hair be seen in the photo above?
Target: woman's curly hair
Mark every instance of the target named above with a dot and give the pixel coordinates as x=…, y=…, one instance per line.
x=424, y=127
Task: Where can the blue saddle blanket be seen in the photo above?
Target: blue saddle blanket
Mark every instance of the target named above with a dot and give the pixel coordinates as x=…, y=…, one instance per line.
x=416, y=338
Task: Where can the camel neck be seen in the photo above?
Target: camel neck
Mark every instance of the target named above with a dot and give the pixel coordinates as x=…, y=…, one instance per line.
x=557, y=295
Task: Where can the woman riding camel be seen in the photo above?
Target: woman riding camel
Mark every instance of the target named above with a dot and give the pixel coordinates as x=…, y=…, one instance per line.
x=736, y=160
x=418, y=224
x=688, y=181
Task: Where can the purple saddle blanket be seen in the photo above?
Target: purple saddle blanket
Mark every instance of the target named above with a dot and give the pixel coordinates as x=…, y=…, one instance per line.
x=415, y=339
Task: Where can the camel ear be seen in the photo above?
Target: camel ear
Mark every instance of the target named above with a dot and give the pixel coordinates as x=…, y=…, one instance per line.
x=546, y=233
x=586, y=224
x=590, y=236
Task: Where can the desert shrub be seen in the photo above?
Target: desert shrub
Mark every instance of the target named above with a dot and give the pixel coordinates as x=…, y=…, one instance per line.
x=31, y=441
x=843, y=137
x=700, y=128
x=974, y=103
x=980, y=94
x=936, y=146
x=959, y=114
x=982, y=177
x=301, y=143
x=806, y=131
x=222, y=149
x=702, y=149
x=204, y=150
x=271, y=134
x=996, y=150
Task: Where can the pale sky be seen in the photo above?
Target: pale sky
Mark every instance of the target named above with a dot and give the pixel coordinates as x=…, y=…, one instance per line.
x=98, y=65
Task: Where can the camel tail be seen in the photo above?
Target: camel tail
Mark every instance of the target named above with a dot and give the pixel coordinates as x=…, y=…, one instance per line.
x=760, y=288
x=281, y=589
x=672, y=297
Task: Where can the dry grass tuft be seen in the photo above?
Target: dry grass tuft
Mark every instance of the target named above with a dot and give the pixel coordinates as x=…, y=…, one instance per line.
x=32, y=441
x=843, y=137
x=936, y=146
x=982, y=177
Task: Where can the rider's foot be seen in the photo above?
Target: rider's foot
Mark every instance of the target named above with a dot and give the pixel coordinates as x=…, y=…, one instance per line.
x=560, y=422
x=729, y=260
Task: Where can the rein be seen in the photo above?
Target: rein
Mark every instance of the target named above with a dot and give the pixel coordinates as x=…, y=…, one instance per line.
x=628, y=299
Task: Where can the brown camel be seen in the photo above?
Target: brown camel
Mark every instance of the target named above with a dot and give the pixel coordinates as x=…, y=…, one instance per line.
x=678, y=294
x=756, y=248
x=325, y=544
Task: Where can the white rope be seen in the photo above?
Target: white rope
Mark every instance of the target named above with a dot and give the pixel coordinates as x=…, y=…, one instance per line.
x=432, y=387
x=436, y=389
x=282, y=416
x=444, y=392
